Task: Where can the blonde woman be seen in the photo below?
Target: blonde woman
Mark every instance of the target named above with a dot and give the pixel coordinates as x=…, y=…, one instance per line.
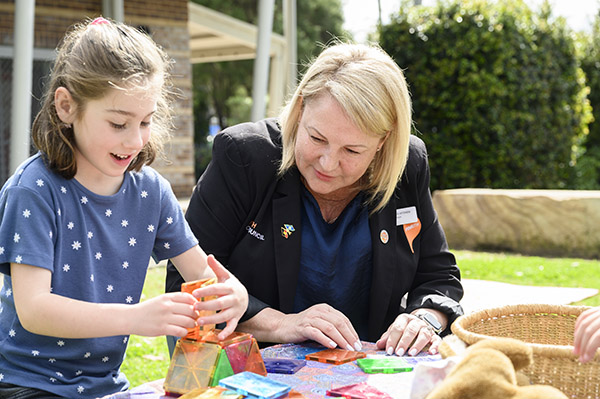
x=325, y=214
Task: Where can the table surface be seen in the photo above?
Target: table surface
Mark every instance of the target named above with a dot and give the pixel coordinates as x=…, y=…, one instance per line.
x=314, y=379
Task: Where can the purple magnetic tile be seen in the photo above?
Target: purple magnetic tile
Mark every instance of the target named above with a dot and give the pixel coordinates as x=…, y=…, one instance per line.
x=283, y=366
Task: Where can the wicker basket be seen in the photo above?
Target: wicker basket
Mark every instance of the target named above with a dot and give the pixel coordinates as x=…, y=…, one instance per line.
x=548, y=330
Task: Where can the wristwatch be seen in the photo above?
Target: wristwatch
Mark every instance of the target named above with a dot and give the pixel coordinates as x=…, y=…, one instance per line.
x=431, y=321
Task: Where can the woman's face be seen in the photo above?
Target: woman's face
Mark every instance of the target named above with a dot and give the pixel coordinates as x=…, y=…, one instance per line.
x=331, y=153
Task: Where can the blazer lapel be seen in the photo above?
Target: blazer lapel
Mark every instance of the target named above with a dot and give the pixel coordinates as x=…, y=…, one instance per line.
x=383, y=238
x=287, y=237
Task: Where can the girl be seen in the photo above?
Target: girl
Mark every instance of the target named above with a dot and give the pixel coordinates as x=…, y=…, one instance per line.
x=81, y=218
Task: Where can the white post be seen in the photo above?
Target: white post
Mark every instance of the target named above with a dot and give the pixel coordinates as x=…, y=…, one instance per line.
x=20, y=125
x=261, y=62
x=118, y=10
x=291, y=38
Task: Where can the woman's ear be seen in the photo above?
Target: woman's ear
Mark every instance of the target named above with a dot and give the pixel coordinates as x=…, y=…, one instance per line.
x=65, y=106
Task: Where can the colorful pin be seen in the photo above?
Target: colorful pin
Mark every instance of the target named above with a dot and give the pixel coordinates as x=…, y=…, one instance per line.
x=287, y=230
x=384, y=236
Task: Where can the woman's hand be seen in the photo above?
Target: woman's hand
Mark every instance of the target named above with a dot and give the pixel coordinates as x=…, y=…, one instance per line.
x=587, y=335
x=410, y=333
x=321, y=323
x=232, y=299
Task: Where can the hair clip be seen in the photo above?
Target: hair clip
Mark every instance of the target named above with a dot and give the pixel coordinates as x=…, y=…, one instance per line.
x=100, y=21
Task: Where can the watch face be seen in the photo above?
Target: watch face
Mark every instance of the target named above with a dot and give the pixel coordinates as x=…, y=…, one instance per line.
x=432, y=321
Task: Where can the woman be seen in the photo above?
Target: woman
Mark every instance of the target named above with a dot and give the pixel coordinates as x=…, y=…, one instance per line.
x=326, y=216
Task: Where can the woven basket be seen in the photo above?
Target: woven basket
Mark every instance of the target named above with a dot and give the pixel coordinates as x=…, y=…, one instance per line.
x=548, y=330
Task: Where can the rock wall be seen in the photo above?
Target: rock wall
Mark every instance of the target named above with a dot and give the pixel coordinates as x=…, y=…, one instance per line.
x=562, y=223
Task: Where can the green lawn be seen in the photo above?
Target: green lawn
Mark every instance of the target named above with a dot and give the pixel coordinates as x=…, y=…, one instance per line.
x=148, y=358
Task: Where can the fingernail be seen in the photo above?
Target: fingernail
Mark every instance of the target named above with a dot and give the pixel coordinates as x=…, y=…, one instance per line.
x=412, y=352
x=348, y=347
x=332, y=344
x=357, y=345
x=390, y=350
x=400, y=352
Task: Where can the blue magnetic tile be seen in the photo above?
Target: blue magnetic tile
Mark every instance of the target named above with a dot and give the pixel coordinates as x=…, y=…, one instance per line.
x=255, y=386
x=283, y=366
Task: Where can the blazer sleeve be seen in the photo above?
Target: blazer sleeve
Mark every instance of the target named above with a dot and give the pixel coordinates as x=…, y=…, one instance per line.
x=436, y=283
x=225, y=193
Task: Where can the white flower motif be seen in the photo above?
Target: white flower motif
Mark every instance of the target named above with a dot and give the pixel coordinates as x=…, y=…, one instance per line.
x=1, y=250
x=18, y=259
x=60, y=343
x=50, y=234
x=167, y=245
x=124, y=223
x=125, y=265
x=39, y=182
x=21, y=171
x=52, y=360
x=87, y=355
x=144, y=194
x=105, y=359
x=84, y=200
x=16, y=237
x=12, y=333
x=63, y=189
x=80, y=389
x=124, y=340
x=132, y=242
x=98, y=256
x=109, y=288
x=78, y=372
x=90, y=235
x=52, y=379
x=26, y=213
x=108, y=213
x=58, y=212
x=66, y=267
x=129, y=299
x=1, y=376
x=76, y=245
x=150, y=228
x=169, y=220
x=35, y=353
x=92, y=278
x=59, y=374
x=8, y=292
x=70, y=225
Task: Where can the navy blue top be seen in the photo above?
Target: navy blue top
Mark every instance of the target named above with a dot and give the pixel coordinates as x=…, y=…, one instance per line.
x=336, y=261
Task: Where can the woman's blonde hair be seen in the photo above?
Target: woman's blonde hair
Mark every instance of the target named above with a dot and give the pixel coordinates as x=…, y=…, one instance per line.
x=371, y=89
x=93, y=58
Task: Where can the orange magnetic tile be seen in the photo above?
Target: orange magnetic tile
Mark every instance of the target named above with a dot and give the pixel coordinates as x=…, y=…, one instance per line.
x=230, y=339
x=255, y=361
x=192, y=366
x=295, y=395
x=197, y=332
x=335, y=356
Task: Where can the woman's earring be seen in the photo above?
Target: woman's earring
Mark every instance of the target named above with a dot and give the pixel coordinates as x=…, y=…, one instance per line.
x=68, y=126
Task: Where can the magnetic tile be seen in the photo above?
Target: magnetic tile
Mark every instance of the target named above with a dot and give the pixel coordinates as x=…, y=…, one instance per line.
x=387, y=365
x=358, y=391
x=283, y=366
x=335, y=356
x=255, y=386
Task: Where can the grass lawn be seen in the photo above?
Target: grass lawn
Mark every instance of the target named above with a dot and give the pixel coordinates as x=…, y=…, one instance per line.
x=148, y=358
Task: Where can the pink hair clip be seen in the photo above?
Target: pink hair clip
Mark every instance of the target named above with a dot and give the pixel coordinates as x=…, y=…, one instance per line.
x=100, y=21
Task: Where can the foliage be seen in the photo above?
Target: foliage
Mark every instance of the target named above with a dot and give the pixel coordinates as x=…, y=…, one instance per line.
x=221, y=87
x=588, y=171
x=498, y=95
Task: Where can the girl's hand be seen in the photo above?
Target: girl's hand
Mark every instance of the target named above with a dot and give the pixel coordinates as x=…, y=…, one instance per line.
x=407, y=329
x=587, y=335
x=166, y=314
x=232, y=299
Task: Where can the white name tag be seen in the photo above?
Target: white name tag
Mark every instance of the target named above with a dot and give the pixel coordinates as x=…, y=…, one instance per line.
x=406, y=215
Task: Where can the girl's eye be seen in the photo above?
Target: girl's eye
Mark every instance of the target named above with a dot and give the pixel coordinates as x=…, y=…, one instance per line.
x=145, y=124
x=117, y=126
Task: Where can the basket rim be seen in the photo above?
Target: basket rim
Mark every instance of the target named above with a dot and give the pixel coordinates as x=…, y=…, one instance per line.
x=460, y=325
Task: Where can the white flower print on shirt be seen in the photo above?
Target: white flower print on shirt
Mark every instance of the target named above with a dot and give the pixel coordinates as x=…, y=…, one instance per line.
x=110, y=288
x=144, y=194
x=70, y=225
x=84, y=200
x=150, y=228
x=108, y=213
x=12, y=333
x=80, y=389
x=76, y=245
x=124, y=223
x=39, y=182
x=63, y=189
x=169, y=220
x=167, y=245
x=132, y=242
x=129, y=299
x=125, y=265
x=66, y=267
x=16, y=237
x=26, y=213
x=1, y=250
x=98, y=256
x=19, y=259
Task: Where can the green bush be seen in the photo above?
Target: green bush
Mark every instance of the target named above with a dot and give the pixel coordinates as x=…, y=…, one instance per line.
x=498, y=95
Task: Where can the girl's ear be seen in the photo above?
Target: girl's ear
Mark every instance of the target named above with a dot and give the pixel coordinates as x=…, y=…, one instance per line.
x=65, y=106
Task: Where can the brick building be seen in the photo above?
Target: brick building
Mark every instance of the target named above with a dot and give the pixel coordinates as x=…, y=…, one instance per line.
x=166, y=22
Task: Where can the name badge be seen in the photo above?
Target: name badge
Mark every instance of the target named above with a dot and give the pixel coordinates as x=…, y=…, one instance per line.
x=406, y=215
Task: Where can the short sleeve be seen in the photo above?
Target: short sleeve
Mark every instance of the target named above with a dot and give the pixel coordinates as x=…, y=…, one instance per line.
x=27, y=229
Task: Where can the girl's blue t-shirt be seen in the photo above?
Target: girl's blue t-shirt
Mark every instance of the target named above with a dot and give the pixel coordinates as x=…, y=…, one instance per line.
x=336, y=261
x=98, y=250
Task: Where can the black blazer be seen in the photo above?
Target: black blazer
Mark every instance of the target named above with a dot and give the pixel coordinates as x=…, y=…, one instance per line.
x=239, y=208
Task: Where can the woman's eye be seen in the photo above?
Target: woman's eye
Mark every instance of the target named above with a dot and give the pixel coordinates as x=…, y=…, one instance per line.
x=117, y=126
x=317, y=139
x=352, y=151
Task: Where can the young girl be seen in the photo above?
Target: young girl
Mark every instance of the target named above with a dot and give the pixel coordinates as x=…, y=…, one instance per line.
x=80, y=219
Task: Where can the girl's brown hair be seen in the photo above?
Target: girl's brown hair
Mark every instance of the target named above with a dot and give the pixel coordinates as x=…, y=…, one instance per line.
x=93, y=58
